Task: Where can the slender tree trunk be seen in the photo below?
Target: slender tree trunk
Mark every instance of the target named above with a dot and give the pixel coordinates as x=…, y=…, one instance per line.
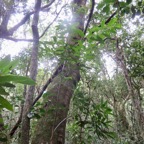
x=1, y=127
x=51, y=127
x=138, y=114
x=33, y=72
x=1, y=122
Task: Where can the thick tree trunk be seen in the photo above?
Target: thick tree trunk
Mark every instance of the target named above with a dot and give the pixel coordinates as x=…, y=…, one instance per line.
x=51, y=127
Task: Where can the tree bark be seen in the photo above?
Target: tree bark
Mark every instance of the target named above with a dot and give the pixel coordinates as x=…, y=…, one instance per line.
x=2, y=135
x=138, y=113
x=25, y=136
x=51, y=127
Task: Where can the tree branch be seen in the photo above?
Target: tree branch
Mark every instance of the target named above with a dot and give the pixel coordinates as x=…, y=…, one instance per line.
x=31, y=40
x=90, y=16
x=109, y=19
x=23, y=21
x=17, y=40
x=57, y=71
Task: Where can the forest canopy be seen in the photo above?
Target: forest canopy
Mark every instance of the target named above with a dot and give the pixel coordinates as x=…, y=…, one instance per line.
x=71, y=72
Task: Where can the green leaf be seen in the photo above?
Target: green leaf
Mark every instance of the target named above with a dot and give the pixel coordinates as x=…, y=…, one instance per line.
x=55, y=39
x=109, y=1
x=6, y=65
x=112, y=22
x=3, y=139
x=7, y=85
x=5, y=104
x=118, y=26
x=101, y=36
x=99, y=39
x=16, y=79
x=128, y=1
x=11, y=66
x=4, y=62
x=80, y=32
x=102, y=23
x=1, y=107
x=122, y=4
x=37, y=116
x=140, y=3
x=112, y=134
x=1, y=121
x=106, y=9
x=2, y=91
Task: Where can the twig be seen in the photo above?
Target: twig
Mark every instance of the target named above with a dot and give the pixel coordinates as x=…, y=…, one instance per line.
x=48, y=5
x=51, y=23
x=58, y=126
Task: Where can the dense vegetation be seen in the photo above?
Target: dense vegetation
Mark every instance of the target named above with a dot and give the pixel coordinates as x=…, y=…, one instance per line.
x=79, y=77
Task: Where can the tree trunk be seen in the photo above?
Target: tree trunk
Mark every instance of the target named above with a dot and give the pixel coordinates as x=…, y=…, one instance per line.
x=138, y=114
x=33, y=72
x=51, y=127
x=2, y=135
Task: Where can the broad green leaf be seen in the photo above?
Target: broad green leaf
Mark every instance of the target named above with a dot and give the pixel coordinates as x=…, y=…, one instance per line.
x=5, y=104
x=16, y=79
x=7, y=85
x=2, y=91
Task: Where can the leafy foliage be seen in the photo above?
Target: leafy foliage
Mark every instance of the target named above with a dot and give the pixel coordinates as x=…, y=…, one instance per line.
x=91, y=119
x=6, y=65
x=6, y=81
